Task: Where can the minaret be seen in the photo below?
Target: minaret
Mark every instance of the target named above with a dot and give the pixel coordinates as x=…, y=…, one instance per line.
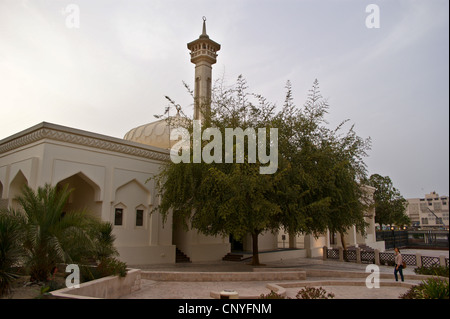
x=203, y=55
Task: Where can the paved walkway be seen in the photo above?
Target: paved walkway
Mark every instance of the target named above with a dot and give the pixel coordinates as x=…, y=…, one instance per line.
x=201, y=290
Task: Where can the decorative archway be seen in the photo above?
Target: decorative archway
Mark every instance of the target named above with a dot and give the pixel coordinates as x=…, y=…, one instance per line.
x=3, y=202
x=84, y=194
x=15, y=189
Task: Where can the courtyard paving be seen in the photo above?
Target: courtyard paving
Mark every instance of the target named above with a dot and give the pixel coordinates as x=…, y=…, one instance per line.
x=152, y=289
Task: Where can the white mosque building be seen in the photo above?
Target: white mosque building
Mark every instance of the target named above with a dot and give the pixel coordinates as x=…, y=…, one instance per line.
x=110, y=177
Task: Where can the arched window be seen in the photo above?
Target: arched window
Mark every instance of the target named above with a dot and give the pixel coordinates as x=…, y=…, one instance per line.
x=119, y=214
x=118, y=217
x=140, y=216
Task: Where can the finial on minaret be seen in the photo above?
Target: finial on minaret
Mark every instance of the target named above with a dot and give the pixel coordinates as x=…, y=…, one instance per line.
x=204, y=35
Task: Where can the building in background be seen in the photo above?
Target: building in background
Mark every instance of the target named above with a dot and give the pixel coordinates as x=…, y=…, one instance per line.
x=429, y=212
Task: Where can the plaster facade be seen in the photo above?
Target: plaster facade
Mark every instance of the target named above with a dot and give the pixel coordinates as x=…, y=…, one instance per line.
x=106, y=173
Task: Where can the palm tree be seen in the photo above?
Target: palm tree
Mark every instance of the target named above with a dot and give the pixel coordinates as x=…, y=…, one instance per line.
x=103, y=241
x=10, y=249
x=50, y=235
x=102, y=254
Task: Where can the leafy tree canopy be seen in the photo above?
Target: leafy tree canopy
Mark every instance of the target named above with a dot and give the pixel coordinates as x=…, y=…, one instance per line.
x=390, y=206
x=316, y=185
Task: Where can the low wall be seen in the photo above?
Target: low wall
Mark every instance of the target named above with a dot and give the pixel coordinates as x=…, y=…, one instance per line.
x=110, y=287
x=222, y=276
x=320, y=273
x=147, y=255
x=280, y=255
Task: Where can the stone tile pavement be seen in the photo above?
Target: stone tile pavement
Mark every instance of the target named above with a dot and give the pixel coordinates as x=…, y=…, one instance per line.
x=354, y=288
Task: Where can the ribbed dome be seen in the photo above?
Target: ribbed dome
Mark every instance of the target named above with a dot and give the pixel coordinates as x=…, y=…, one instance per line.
x=155, y=133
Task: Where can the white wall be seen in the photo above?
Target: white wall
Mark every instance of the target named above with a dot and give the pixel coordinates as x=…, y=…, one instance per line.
x=104, y=178
x=266, y=241
x=199, y=247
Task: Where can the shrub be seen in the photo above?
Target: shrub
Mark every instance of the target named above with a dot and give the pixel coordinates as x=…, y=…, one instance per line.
x=88, y=273
x=112, y=266
x=49, y=286
x=412, y=293
x=272, y=295
x=314, y=293
x=51, y=236
x=304, y=293
x=10, y=250
x=435, y=288
x=432, y=288
x=435, y=270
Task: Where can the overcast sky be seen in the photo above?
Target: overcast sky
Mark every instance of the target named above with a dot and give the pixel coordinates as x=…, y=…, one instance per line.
x=110, y=72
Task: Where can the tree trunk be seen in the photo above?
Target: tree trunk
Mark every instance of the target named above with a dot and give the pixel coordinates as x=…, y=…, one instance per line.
x=342, y=240
x=255, y=259
x=343, y=245
x=292, y=240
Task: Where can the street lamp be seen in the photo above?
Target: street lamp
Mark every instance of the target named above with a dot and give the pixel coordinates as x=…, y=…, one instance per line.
x=393, y=234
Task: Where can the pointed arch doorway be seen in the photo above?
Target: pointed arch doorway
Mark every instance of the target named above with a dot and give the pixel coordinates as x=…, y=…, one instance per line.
x=236, y=245
x=83, y=196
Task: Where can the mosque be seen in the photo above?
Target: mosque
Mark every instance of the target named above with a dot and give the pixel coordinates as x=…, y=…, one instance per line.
x=111, y=177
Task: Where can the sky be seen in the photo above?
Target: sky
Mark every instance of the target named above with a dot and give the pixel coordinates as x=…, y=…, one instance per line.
x=105, y=66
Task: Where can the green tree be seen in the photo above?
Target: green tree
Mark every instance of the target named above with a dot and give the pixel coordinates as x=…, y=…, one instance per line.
x=103, y=253
x=390, y=206
x=223, y=198
x=348, y=199
x=39, y=235
x=51, y=236
x=10, y=249
x=319, y=186
x=315, y=187
x=103, y=241
x=298, y=190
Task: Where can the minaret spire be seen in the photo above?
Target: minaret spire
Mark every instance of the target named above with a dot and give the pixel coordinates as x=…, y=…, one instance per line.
x=203, y=55
x=204, y=28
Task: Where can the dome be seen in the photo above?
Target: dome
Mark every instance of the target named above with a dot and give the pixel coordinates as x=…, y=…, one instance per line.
x=155, y=133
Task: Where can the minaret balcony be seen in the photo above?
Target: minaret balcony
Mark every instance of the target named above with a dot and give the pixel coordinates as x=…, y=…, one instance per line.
x=209, y=57
x=203, y=52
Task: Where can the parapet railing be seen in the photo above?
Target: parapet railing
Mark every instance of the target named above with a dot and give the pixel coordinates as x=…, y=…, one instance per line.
x=359, y=256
